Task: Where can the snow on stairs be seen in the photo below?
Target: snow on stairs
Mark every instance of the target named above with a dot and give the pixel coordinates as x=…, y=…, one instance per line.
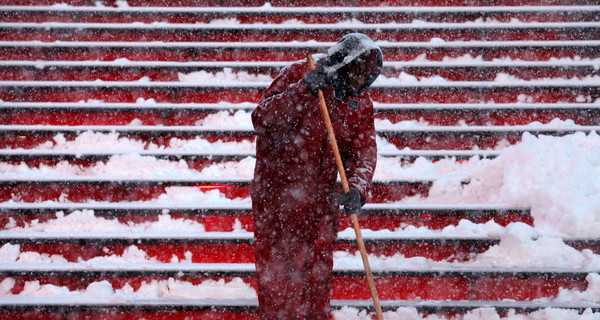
x=480, y=103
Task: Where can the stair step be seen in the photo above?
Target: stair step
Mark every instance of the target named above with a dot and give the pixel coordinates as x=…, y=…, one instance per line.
x=289, y=32
x=276, y=65
x=249, y=132
x=302, y=46
x=454, y=283
x=450, y=73
x=169, y=71
x=261, y=85
x=168, y=114
x=84, y=269
x=248, y=91
x=17, y=303
x=38, y=154
x=285, y=3
x=414, y=138
x=289, y=51
x=294, y=27
x=236, y=247
x=418, y=11
x=377, y=216
x=153, y=208
x=248, y=106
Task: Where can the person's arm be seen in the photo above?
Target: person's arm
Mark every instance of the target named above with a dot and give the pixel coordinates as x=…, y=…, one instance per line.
x=284, y=104
x=361, y=159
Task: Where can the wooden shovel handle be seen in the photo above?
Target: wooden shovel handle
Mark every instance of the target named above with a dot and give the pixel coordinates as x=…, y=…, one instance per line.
x=346, y=187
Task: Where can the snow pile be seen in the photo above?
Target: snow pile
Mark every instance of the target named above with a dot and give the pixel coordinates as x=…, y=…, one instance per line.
x=225, y=119
x=133, y=165
x=477, y=314
x=86, y=221
x=223, y=77
x=96, y=141
x=554, y=176
x=155, y=289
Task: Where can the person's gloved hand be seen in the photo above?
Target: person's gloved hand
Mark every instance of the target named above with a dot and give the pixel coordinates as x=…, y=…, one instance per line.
x=351, y=202
x=316, y=80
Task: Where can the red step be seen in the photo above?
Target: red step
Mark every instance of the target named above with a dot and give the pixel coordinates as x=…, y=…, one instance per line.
x=244, y=51
x=499, y=117
x=300, y=3
x=222, y=251
x=458, y=92
x=164, y=74
x=84, y=32
x=282, y=14
x=463, y=284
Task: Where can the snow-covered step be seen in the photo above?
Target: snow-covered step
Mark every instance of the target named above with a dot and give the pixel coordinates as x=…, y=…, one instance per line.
x=225, y=217
x=269, y=4
x=245, y=131
x=224, y=237
x=450, y=283
x=33, y=154
x=171, y=71
x=386, y=91
x=303, y=46
x=154, y=208
x=402, y=136
x=563, y=84
x=49, y=113
x=236, y=247
x=291, y=27
x=185, y=32
x=91, y=269
x=248, y=106
x=275, y=65
x=21, y=304
x=289, y=50
x=197, y=180
x=274, y=10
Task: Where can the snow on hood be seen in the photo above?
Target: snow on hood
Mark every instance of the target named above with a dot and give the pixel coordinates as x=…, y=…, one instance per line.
x=351, y=46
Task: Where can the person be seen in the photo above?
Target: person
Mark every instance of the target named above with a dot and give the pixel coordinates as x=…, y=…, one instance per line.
x=295, y=198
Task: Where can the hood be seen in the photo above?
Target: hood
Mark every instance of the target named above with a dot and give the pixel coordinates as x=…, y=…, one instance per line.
x=354, y=51
x=349, y=48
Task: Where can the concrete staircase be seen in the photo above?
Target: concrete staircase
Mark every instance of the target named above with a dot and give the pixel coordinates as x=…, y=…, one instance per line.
x=73, y=68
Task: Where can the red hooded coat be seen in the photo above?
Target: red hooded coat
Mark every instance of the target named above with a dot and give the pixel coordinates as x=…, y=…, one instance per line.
x=294, y=191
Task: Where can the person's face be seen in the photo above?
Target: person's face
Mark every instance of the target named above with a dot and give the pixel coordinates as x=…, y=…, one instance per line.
x=360, y=74
x=357, y=77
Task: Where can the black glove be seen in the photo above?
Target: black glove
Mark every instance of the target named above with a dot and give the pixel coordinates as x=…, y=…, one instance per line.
x=316, y=80
x=351, y=202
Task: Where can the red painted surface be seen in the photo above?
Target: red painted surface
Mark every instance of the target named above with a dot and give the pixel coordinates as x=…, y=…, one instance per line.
x=409, y=35
x=522, y=289
x=389, y=288
x=171, y=75
x=301, y=3
x=344, y=288
x=243, y=252
x=268, y=54
x=128, y=315
x=191, y=118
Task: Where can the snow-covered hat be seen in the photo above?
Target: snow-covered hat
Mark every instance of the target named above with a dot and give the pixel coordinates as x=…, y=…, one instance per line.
x=349, y=48
x=357, y=52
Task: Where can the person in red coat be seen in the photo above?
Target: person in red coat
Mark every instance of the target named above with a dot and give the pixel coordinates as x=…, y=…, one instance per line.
x=295, y=198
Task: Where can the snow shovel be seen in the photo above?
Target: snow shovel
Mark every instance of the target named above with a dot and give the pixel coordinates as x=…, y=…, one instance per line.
x=346, y=187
